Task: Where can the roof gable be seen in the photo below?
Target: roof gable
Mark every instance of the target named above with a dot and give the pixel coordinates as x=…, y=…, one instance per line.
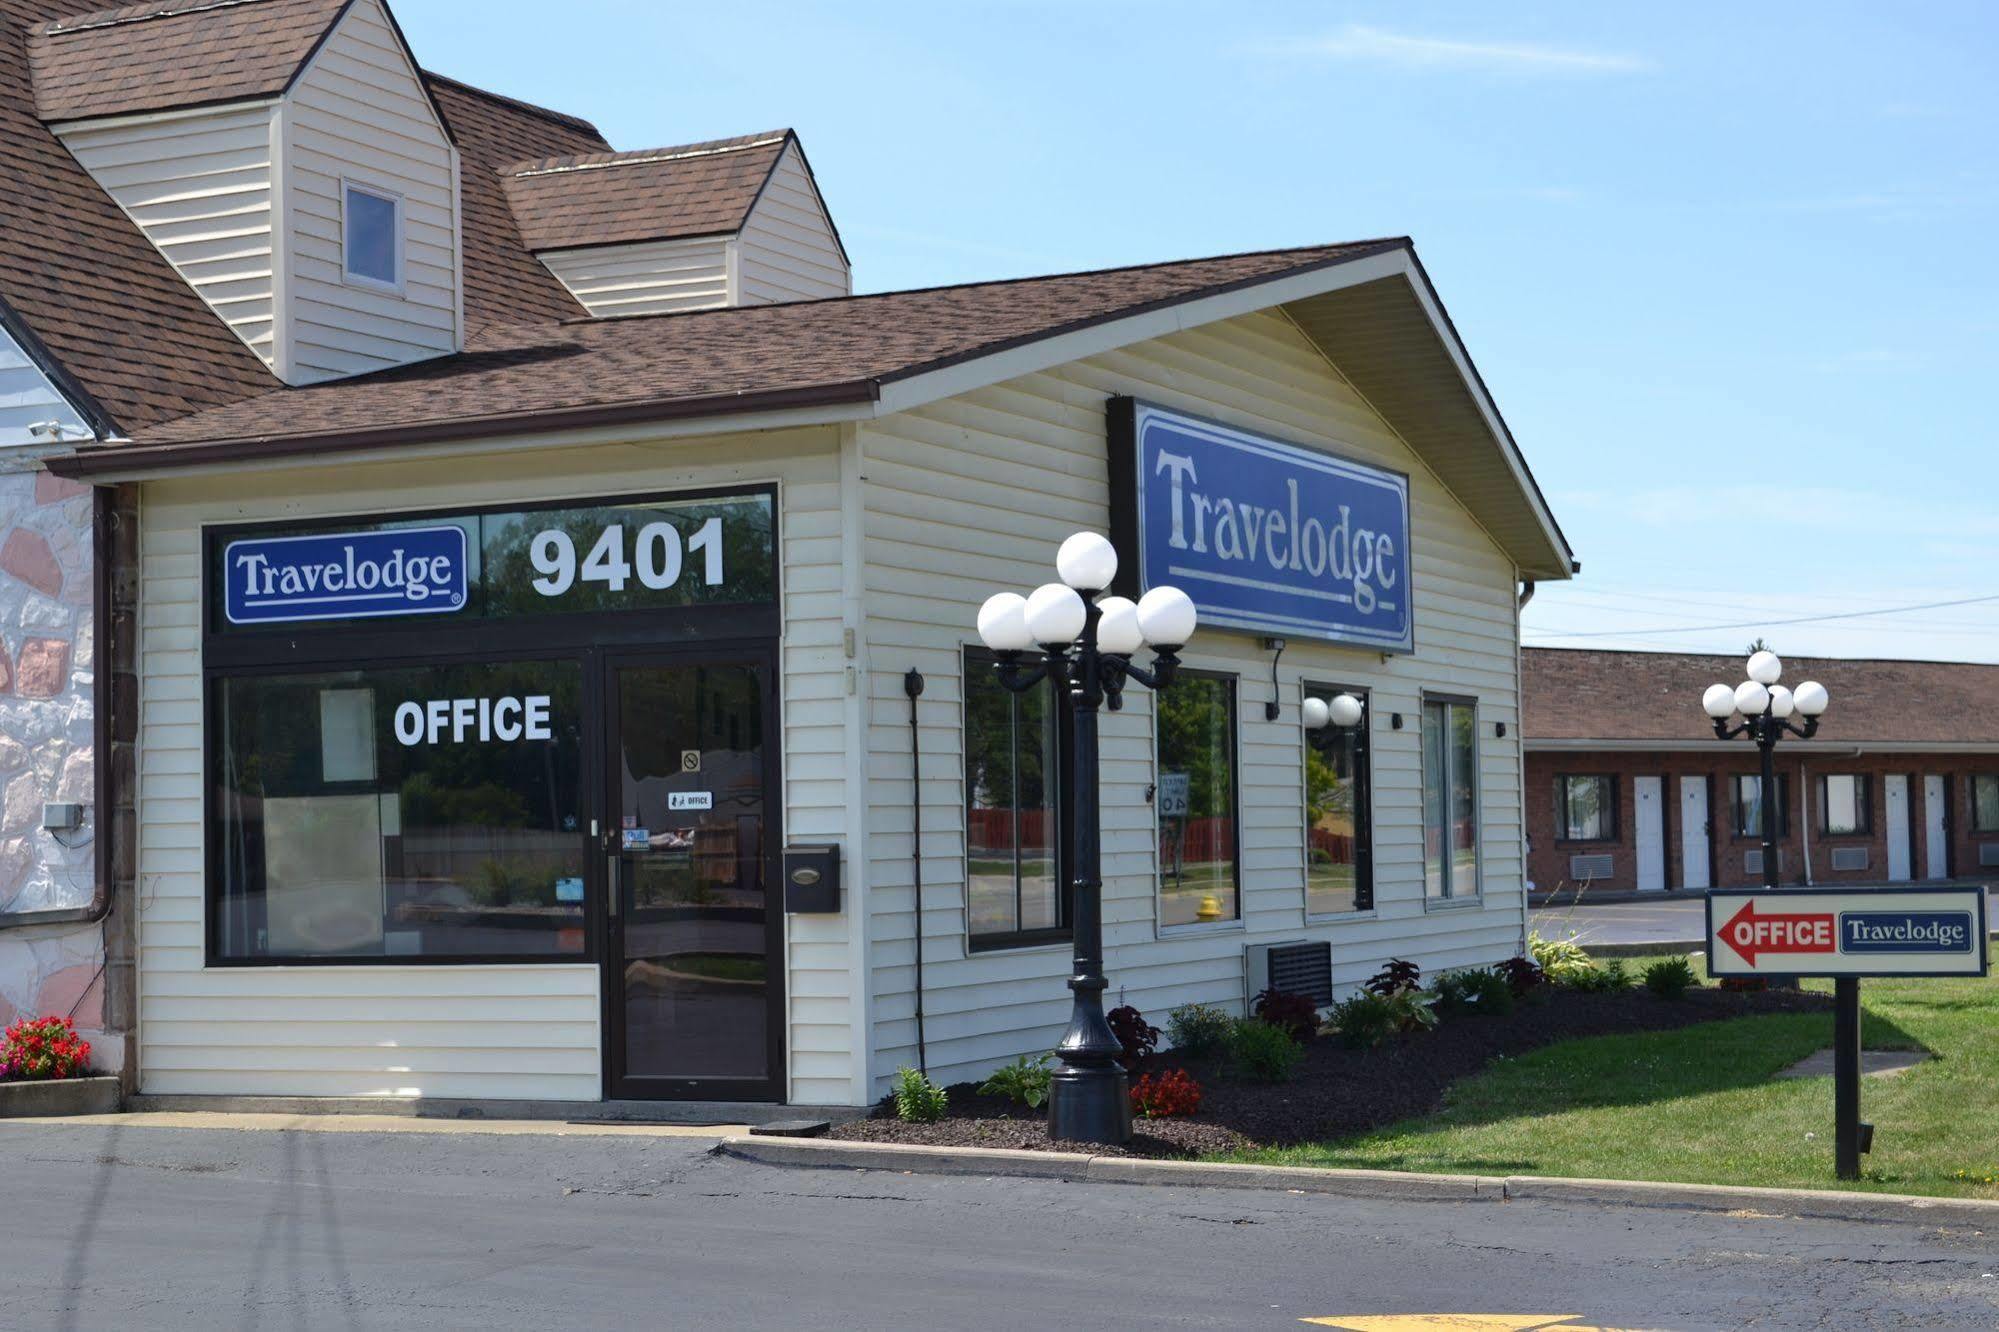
x=174, y=53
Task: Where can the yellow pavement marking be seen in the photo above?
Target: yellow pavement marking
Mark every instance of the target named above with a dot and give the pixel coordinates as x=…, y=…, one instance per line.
x=1463, y=1322
x=345, y=1123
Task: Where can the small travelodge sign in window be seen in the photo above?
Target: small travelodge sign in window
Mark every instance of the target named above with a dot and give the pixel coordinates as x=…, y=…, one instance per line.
x=345, y=575
x=1265, y=535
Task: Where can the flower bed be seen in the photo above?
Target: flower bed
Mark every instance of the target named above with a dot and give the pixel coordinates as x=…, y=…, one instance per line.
x=1335, y=1091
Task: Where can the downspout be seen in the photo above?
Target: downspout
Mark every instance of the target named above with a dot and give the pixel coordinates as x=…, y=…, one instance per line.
x=912, y=685
x=1526, y=913
x=1805, y=803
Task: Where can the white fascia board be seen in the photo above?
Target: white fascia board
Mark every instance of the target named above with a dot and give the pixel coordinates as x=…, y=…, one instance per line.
x=1796, y=748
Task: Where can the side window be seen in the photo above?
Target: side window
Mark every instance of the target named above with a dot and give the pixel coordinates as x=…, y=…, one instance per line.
x=371, y=236
x=1013, y=871
x=1985, y=802
x=1586, y=808
x=1844, y=805
x=1339, y=857
x=1199, y=868
x=1747, y=790
x=1450, y=799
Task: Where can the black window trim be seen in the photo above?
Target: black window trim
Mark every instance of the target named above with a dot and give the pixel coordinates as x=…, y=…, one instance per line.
x=1864, y=803
x=1736, y=832
x=1160, y=928
x=1310, y=688
x=1972, y=785
x=1451, y=896
x=386, y=644
x=1615, y=807
x=976, y=657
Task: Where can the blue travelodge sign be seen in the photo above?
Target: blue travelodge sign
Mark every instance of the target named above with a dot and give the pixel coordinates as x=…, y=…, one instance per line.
x=345, y=575
x=1265, y=536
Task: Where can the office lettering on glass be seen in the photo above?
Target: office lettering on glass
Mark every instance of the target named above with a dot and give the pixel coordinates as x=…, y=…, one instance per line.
x=463, y=720
x=1271, y=536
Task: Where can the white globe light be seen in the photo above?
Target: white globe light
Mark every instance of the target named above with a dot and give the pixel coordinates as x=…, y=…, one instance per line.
x=1750, y=698
x=1718, y=702
x=1003, y=623
x=1345, y=709
x=1055, y=614
x=1117, y=626
x=1765, y=668
x=1317, y=714
x=1087, y=562
x=1780, y=702
x=1166, y=617
x=1812, y=698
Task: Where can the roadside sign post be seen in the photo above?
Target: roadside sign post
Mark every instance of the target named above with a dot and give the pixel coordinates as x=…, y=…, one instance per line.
x=1845, y=934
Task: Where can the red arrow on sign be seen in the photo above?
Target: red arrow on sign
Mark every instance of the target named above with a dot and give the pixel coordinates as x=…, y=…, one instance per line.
x=1749, y=934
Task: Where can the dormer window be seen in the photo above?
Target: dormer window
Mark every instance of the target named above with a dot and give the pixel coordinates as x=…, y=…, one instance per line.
x=371, y=231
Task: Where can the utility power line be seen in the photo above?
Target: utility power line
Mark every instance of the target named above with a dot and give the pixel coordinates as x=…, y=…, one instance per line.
x=1761, y=624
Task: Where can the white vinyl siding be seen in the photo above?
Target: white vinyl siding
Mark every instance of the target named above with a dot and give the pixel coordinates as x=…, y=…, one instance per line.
x=359, y=114
x=27, y=398
x=657, y=277
x=787, y=250
x=199, y=186
x=971, y=496
x=464, y=1030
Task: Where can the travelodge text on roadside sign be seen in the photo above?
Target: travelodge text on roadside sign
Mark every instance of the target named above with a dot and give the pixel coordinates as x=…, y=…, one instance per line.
x=1851, y=932
x=1264, y=535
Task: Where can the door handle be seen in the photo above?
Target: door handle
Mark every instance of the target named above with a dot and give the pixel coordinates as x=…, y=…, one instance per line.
x=612, y=884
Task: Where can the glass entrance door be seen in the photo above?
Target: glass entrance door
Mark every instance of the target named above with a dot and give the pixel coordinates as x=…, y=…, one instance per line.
x=693, y=932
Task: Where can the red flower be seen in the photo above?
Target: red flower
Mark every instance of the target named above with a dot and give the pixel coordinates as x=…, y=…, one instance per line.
x=43, y=1048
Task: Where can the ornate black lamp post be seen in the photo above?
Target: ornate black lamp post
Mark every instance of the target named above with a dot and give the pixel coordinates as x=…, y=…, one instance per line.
x=1085, y=643
x=1766, y=709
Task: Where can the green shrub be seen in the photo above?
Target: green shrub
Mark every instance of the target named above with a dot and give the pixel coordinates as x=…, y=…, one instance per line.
x=918, y=1100
x=1024, y=1080
x=1364, y=1020
x=1670, y=977
x=1263, y=1053
x=1472, y=992
x=1412, y=1010
x=1593, y=979
x=1560, y=960
x=1199, y=1031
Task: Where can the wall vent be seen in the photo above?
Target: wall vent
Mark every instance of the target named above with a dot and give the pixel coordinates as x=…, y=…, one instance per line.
x=1988, y=853
x=1583, y=869
x=1849, y=857
x=1752, y=861
x=1298, y=967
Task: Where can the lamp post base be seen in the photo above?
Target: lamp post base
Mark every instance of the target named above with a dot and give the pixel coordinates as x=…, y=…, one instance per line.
x=1089, y=1105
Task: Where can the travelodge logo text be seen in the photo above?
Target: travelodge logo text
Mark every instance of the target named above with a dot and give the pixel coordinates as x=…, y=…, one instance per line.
x=345, y=575
x=1270, y=536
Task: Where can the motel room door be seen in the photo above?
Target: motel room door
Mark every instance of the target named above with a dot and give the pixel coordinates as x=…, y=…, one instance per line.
x=1895, y=799
x=1693, y=833
x=1649, y=822
x=1936, y=834
x=694, y=937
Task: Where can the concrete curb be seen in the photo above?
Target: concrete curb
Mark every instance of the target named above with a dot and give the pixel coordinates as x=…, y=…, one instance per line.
x=94, y=1094
x=825, y=1153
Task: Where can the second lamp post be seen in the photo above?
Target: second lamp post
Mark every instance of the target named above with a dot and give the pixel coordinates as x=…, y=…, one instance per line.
x=1766, y=709
x=1085, y=643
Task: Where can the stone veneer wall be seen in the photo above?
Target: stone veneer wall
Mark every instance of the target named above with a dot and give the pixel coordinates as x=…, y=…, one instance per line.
x=46, y=737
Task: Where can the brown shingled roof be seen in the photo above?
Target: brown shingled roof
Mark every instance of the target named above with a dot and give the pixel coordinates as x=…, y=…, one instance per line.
x=504, y=284
x=173, y=53
x=697, y=189
x=1570, y=694
x=129, y=332
x=700, y=363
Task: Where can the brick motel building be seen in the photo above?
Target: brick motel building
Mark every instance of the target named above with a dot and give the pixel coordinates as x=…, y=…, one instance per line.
x=1628, y=788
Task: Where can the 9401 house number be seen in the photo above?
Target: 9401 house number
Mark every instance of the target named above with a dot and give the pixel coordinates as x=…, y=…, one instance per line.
x=657, y=558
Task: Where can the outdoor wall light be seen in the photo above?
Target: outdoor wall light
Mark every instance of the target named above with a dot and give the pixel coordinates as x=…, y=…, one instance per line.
x=1342, y=710
x=1086, y=646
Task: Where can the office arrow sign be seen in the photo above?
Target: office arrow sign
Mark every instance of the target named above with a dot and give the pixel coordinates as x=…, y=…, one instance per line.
x=1847, y=932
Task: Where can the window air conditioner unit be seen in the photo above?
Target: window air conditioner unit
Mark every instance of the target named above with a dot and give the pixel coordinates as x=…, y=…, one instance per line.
x=1849, y=857
x=1988, y=853
x=1752, y=861
x=1587, y=869
x=1298, y=967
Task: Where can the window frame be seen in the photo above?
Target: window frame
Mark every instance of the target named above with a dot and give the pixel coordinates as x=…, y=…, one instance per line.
x=592, y=636
x=976, y=657
x=1451, y=897
x=1976, y=778
x=350, y=186
x=1564, y=836
x=1863, y=799
x=1736, y=832
x=1160, y=928
x=1364, y=831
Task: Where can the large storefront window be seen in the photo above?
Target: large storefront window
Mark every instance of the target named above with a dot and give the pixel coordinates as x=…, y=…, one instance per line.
x=401, y=812
x=1450, y=799
x=1196, y=801
x=1339, y=862
x=1015, y=891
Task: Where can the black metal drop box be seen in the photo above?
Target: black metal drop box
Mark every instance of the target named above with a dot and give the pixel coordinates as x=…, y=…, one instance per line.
x=812, y=879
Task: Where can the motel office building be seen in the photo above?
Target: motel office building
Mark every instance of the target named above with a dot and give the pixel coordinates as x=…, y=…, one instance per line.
x=1628, y=788
x=476, y=705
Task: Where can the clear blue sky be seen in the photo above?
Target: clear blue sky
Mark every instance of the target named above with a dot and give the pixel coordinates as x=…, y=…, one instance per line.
x=1732, y=271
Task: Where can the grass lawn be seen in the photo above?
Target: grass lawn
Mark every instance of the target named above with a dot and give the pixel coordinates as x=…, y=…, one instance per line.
x=1701, y=1105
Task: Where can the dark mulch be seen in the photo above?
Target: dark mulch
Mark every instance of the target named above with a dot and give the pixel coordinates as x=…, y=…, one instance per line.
x=1337, y=1091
